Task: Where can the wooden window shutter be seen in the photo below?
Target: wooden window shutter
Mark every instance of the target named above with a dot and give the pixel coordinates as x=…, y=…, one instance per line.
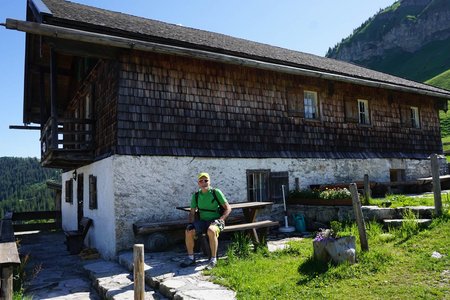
x=69, y=191
x=295, y=102
x=92, y=192
x=277, y=180
x=405, y=116
x=351, y=110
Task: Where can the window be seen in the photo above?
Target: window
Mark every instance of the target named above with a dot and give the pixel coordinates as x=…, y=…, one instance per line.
x=263, y=185
x=69, y=191
x=258, y=185
x=311, y=105
x=363, y=112
x=415, y=121
x=92, y=192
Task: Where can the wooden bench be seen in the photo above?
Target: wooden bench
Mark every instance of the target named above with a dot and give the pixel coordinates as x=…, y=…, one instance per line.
x=155, y=235
x=253, y=226
x=75, y=238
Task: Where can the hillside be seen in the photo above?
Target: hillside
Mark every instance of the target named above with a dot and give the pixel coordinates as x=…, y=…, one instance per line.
x=23, y=185
x=411, y=39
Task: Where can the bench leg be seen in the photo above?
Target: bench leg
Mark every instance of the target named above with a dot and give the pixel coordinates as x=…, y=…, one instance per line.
x=255, y=236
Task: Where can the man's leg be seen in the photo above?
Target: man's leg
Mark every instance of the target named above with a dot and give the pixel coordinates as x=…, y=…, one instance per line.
x=213, y=233
x=189, y=240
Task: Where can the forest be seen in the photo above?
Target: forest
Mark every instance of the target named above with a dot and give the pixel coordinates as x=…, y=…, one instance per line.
x=23, y=185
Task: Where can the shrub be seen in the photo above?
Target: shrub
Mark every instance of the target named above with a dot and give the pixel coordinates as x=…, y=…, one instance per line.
x=327, y=194
x=335, y=193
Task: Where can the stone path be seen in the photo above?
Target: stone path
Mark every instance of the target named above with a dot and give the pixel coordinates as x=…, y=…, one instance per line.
x=51, y=273
x=54, y=274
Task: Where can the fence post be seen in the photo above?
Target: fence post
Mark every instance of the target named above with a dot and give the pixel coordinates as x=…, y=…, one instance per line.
x=139, y=275
x=6, y=283
x=436, y=185
x=359, y=217
x=366, y=188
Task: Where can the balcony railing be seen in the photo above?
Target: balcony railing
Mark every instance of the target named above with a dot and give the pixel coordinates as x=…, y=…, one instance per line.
x=67, y=143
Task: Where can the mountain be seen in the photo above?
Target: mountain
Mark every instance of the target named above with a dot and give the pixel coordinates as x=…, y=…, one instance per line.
x=410, y=39
x=23, y=185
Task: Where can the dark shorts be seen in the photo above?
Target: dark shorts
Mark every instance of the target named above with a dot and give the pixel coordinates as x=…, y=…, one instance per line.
x=201, y=227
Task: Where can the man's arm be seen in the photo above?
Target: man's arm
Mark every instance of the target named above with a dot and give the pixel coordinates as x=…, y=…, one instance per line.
x=192, y=215
x=227, y=211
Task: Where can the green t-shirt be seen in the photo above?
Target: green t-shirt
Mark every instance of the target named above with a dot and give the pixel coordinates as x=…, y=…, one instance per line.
x=206, y=201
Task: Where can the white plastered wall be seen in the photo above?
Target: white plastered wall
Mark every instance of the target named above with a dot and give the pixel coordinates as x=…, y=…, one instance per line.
x=149, y=188
x=101, y=235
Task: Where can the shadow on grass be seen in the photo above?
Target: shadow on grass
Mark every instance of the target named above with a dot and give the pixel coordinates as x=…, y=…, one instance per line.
x=310, y=269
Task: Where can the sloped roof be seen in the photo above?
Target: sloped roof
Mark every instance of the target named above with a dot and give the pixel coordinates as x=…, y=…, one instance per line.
x=88, y=18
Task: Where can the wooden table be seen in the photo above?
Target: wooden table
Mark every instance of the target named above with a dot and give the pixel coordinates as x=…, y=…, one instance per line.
x=250, y=211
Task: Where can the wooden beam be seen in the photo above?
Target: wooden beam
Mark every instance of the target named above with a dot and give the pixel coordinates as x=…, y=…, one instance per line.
x=127, y=43
x=53, y=97
x=26, y=127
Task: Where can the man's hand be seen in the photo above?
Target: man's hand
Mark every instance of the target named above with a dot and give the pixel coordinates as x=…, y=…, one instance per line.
x=219, y=223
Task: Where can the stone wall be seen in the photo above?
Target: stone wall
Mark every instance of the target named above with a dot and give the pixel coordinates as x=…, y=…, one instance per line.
x=148, y=189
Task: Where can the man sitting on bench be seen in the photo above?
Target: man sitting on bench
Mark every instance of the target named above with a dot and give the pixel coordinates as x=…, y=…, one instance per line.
x=212, y=209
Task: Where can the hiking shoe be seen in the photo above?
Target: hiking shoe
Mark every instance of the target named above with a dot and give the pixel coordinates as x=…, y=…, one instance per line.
x=211, y=264
x=187, y=263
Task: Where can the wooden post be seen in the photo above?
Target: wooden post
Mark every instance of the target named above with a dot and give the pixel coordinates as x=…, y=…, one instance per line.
x=359, y=217
x=53, y=100
x=366, y=188
x=297, y=184
x=6, y=282
x=139, y=275
x=436, y=185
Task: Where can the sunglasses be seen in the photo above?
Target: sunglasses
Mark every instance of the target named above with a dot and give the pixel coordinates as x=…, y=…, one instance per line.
x=203, y=180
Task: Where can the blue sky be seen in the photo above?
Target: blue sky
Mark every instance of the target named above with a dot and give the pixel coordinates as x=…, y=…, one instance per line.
x=309, y=26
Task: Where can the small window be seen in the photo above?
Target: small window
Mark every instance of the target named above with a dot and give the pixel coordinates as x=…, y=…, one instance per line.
x=92, y=192
x=263, y=185
x=310, y=105
x=69, y=191
x=397, y=175
x=363, y=112
x=414, y=113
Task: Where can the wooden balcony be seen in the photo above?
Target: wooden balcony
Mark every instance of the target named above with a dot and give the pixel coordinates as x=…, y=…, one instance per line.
x=67, y=143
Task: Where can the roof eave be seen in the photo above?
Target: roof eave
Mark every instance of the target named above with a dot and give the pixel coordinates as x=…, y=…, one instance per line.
x=121, y=42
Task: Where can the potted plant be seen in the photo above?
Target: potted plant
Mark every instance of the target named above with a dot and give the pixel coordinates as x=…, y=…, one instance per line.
x=329, y=246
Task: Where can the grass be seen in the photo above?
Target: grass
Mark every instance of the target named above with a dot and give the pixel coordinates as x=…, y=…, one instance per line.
x=404, y=200
x=397, y=266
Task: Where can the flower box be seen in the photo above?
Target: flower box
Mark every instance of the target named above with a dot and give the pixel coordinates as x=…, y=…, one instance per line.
x=322, y=202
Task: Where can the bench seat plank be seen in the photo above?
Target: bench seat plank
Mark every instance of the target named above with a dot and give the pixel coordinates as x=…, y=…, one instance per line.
x=254, y=225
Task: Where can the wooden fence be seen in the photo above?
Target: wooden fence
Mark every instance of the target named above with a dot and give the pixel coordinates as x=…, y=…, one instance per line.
x=36, y=220
x=9, y=257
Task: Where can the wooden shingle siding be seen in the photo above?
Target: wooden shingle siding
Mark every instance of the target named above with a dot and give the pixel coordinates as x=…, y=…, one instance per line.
x=177, y=106
x=106, y=108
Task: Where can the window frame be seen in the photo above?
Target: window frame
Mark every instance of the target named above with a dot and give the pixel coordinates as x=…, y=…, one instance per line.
x=269, y=185
x=363, y=116
x=261, y=176
x=415, y=117
x=314, y=106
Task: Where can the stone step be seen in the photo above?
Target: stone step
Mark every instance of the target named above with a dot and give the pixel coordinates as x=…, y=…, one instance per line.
x=163, y=273
x=398, y=222
x=115, y=282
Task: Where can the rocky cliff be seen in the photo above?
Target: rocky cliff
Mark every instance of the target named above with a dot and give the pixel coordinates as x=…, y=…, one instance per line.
x=403, y=29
